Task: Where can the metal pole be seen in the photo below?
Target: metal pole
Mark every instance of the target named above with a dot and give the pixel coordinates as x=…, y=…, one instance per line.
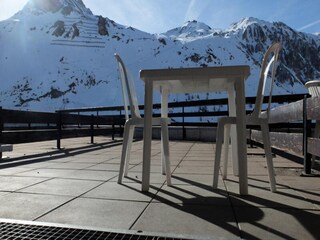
x=183, y=127
x=1, y=129
x=59, y=129
x=92, y=128
x=113, y=128
x=306, y=135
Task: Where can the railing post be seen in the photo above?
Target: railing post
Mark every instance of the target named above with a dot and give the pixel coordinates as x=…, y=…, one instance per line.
x=251, y=142
x=113, y=128
x=183, y=127
x=306, y=135
x=97, y=117
x=79, y=125
x=59, y=129
x=92, y=128
x=1, y=129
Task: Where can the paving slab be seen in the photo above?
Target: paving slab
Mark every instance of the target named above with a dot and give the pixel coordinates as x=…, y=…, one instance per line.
x=5, y=171
x=62, y=186
x=155, y=178
x=310, y=196
x=71, y=165
x=283, y=198
x=197, y=162
x=193, y=169
x=105, y=167
x=190, y=194
x=14, y=183
x=301, y=183
x=125, y=191
x=153, y=168
x=40, y=164
x=97, y=213
x=268, y=223
x=193, y=179
x=47, y=172
x=202, y=220
x=91, y=175
x=29, y=206
x=89, y=159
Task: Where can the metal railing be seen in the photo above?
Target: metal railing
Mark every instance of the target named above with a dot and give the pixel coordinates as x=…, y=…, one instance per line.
x=27, y=126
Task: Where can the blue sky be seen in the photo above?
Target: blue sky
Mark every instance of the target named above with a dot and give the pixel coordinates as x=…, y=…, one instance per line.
x=157, y=16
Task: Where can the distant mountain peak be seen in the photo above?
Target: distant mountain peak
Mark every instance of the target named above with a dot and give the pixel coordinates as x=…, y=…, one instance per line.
x=195, y=25
x=247, y=21
x=44, y=6
x=190, y=29
x=66, y=7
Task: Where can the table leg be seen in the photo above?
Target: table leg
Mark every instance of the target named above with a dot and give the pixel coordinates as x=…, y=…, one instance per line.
x=241, y=136
x=233, y=131
x=164, y=114
x=147, y=135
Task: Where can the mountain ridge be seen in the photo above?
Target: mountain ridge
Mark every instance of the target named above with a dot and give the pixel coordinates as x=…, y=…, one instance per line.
x=65, y=58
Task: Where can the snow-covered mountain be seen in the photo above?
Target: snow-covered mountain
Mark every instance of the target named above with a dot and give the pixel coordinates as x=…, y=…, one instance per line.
x=57, y=54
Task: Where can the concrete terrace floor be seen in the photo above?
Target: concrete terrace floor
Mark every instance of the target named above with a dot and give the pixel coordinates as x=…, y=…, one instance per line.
x=78, y=186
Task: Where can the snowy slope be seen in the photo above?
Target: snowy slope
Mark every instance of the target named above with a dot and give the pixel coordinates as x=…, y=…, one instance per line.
x=59, y=55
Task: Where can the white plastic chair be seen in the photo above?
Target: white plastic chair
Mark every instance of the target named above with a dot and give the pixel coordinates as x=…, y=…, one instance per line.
x=257, y=117
x=314, y=90
x=129, y=95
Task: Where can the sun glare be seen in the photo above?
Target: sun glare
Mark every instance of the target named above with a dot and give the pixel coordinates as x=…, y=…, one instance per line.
x=48, y=5
x=10, y=7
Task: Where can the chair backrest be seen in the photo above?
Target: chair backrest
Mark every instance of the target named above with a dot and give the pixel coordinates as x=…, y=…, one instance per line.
x=269, y=64
x=128, y=90
x=313, y=87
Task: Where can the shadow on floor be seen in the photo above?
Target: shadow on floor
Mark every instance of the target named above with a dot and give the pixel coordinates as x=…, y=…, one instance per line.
x=231, y=223
x=56, y=154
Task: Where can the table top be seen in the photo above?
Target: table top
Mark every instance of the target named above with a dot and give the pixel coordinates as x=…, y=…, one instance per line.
x=184, y=80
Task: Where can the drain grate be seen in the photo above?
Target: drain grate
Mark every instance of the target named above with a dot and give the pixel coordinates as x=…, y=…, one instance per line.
x=17, y=231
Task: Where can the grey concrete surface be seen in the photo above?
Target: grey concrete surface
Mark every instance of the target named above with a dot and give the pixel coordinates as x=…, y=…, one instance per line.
x=77, y=185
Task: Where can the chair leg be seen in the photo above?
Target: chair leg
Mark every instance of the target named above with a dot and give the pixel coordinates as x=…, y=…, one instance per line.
x=163, y=161
x=166, y=152
x=267, y=149
x=218, y=153
x=130, y=140
x=124, y=151
x=226, y=150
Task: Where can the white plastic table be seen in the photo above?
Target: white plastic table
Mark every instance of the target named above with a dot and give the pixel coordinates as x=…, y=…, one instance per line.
x=198, y=80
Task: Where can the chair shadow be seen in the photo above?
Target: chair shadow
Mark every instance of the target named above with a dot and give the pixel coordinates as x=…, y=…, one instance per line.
x=198, y=205
x=299, y=214
x=227, y=222
x=292, y=188
x=56, y=154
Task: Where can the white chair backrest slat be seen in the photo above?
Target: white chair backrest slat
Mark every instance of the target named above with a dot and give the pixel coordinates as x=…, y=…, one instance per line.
x=128, y=90
x=269, y=61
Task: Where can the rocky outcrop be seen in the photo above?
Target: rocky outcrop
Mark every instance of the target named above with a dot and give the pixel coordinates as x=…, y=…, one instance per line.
x=59, y=28
x=102, y=28
x=300, y=56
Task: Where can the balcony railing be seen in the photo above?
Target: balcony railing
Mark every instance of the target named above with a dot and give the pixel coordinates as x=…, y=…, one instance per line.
x=28, y=126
